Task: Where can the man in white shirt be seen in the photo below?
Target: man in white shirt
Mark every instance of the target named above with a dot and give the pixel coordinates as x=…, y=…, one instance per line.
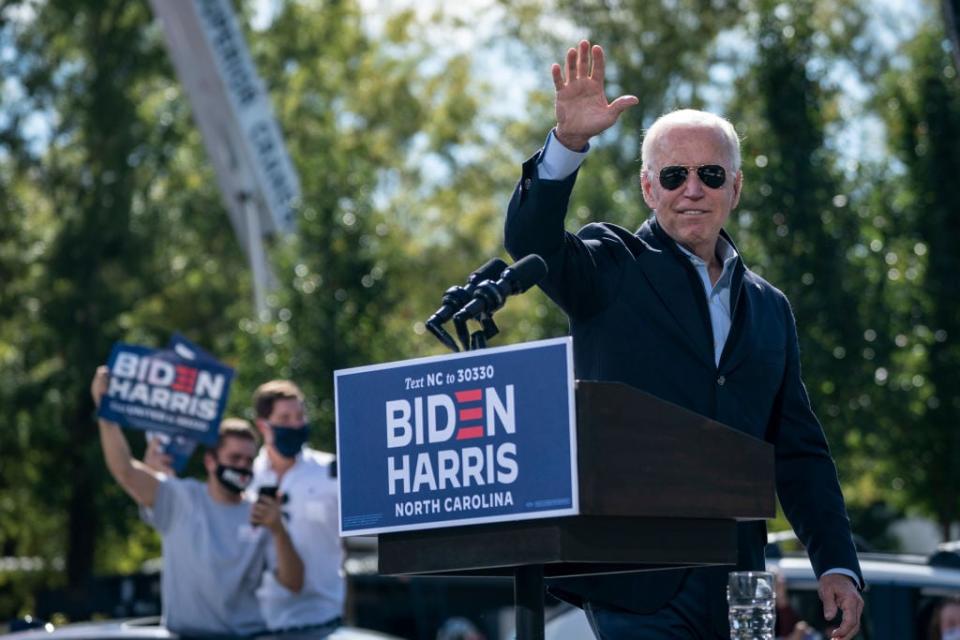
x=307, y=484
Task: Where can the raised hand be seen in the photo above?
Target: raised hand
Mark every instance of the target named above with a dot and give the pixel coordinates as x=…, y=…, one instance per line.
x=155, y=458
x=99, y=384
x=582, y=107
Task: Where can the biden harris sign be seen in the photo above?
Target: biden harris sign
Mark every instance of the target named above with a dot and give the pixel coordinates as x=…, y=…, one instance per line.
x=467, y=438
x=161, y=390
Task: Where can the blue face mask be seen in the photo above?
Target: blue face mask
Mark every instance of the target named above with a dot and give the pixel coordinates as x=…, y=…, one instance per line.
x=951, y=634
x=289, y=440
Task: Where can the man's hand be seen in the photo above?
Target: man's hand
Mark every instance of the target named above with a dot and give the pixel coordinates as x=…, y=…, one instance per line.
x=582, y=107
x=156, y=459
x=99, y=384
x=838, y=591
x=266, y=511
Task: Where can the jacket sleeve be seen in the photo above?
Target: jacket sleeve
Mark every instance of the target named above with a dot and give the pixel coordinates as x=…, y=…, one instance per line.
x=806, y=475
x=583, y=270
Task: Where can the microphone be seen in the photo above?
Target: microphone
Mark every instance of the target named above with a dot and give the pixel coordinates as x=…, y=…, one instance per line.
x=456, y=297
x=490, y=296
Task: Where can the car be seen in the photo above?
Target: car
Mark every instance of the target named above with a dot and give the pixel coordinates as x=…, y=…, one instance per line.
x=901, y=594
x=151, y=629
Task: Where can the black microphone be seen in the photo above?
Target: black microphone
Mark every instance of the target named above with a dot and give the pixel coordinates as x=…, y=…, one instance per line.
x=456, y=297
x=490, y=296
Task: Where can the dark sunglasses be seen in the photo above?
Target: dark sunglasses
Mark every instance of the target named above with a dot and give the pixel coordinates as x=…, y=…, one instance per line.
x=712, y=175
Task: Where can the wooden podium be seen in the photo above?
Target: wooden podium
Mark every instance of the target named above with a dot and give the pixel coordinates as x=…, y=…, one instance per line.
x=660, y=487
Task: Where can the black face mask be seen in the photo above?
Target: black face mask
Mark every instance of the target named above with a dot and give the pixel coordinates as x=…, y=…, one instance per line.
x=234, y=479
x=289, y=440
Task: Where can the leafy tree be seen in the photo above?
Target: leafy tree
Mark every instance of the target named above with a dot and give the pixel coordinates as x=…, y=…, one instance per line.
x=796, y=220
x=114, y=199
x=78, y=66
x=922, y=109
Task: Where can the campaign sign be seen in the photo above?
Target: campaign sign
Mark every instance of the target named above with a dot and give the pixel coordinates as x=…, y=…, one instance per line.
x=187, y=350
x=161, y=391
x=467, y=438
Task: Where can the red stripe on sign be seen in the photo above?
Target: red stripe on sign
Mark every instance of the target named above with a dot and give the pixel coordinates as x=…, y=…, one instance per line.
x=473, y=395
x=471, y=414
x=186, y=378
x=469, y=433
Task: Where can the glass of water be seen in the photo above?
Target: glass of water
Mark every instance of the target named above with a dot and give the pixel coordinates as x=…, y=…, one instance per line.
x=751, y=598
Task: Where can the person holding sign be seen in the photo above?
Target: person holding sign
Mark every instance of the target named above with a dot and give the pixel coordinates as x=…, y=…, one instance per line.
x=216, y=546
x=672, y=310
x=307, y=483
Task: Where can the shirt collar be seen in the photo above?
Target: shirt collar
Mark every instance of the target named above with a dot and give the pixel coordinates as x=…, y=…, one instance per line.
x=725, y=252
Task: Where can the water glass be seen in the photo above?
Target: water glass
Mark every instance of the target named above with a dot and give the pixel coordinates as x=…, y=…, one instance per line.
x=751, y=598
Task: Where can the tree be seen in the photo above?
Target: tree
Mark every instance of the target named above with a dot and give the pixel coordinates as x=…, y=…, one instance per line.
x=111, y=193
x=921, y=104
x=797, y=216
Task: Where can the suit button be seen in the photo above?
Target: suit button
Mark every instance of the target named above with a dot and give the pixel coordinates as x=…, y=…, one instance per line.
x=721, y=380
x=527, y=183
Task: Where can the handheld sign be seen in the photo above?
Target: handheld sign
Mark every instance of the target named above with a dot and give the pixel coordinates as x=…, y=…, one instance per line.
x=161, y=391
x=467, y=438
x=187, y=350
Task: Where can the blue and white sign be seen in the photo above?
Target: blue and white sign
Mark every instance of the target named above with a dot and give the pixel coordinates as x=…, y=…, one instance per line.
x=162, y=391
x=467, y=438
x=187, y=350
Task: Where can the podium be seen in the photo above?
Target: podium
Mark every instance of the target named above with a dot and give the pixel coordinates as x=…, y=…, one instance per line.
x=654, y=486
x=660, y=487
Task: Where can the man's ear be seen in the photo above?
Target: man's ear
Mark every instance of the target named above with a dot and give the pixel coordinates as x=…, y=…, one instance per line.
x=646, y=186
x=264, y=428
x=737, y=188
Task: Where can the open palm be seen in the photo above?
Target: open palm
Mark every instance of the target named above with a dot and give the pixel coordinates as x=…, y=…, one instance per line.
x=582, y=107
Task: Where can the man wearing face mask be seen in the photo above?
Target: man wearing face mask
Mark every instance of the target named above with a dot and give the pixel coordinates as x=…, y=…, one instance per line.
x=216, y=546
x=307, y=483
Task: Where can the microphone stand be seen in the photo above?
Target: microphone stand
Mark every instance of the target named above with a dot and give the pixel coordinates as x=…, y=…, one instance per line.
x=528, y=584
x=477, y=339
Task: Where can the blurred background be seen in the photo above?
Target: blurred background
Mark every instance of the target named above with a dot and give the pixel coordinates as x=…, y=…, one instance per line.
x=407, y=123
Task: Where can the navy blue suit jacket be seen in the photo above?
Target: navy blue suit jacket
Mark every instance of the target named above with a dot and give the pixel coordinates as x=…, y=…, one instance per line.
x=638, y=315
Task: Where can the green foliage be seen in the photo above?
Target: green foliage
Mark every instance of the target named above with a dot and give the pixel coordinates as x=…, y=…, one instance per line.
x=921, y=105
x=82, y=64
x=126, y=238
x=796, y=218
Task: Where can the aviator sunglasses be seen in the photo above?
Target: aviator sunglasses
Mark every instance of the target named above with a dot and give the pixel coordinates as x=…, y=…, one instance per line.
x=712, y=175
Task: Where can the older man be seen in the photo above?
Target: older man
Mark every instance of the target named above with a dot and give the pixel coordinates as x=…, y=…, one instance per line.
x=672, y=310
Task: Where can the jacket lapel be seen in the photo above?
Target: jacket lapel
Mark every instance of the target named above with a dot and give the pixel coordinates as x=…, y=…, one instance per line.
x=678, y=287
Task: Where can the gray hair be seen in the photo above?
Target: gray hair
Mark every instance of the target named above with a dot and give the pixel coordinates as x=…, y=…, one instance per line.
x=690, y=117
